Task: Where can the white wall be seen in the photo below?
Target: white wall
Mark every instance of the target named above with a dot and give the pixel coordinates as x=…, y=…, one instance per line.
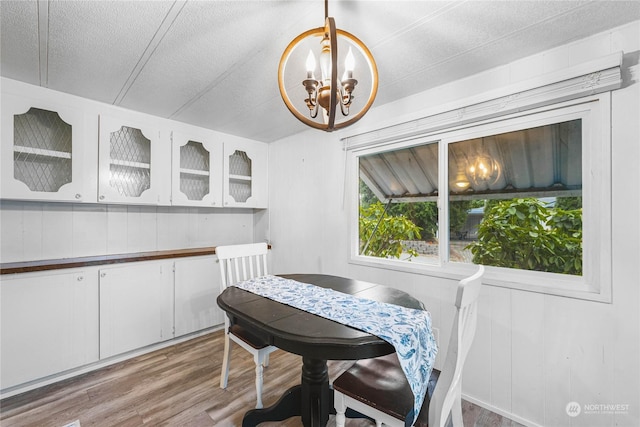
x=533, y=353
x=34, y=231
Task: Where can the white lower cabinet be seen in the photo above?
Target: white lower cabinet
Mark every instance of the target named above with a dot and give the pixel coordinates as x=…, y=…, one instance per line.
x=136, y=306
x=49, y=324
x=197, y=284
x=61, y=320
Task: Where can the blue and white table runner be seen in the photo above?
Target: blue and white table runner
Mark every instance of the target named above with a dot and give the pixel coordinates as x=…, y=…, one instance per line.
x=408, y=330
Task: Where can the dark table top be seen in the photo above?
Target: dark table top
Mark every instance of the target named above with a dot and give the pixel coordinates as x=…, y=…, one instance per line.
x=306, y=334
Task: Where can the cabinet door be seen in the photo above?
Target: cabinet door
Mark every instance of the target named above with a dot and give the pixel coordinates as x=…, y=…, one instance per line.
x=134, y=163
x=136, y=306
x=49, y=324
x=43, y=151
x=197, y=285
x=196, y=174
x=245, y=174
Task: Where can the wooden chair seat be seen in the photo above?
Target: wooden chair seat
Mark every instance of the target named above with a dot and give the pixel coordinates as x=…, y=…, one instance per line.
x=248, y=337
x=389, y=393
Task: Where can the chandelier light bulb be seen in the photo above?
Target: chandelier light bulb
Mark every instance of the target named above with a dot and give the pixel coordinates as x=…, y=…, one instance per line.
x=349, y=65
x=311, y=65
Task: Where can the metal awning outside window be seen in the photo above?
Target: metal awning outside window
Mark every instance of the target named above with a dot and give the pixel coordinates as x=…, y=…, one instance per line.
x=537, y=162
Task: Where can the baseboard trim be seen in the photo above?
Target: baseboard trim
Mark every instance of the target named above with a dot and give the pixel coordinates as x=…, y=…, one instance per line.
x=41, y=382
x=500, y=411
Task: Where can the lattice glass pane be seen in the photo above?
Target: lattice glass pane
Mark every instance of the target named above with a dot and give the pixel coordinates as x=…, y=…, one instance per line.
x=239, y=164
x=130, y=166
x=129, y=144
x=195, y=171
x=193, y=155
x=240, y=190
x=240, y=176
x=42, y=150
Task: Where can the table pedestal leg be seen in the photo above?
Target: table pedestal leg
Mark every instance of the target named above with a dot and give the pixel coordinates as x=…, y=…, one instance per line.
x=312, y=399
x=317, y=397
x=286, y=407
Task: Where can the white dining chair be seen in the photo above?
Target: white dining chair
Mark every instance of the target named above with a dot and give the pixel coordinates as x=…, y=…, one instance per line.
x=379, y=389
x=239, y=263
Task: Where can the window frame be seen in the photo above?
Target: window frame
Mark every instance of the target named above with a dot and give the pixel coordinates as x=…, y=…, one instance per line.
x=595, y=282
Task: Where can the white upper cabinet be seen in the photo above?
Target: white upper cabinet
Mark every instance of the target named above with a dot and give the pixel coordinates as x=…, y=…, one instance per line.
x=196, y=173
x=49, y=152
x=245, y=174
x=44, y=151
x=134, y=163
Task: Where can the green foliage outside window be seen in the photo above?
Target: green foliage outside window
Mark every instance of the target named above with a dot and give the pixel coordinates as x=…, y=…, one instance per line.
x=385, y=241
x=422, y=214
x=528, y=235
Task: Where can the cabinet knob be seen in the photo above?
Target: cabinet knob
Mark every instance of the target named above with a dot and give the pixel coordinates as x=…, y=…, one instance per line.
x=78, y=196
x=102, y=197
x=103, y=274
x=80, y=278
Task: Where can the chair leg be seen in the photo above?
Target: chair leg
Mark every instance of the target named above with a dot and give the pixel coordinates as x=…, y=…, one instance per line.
x=341, y=408
x=224, y=374
x=259, y=370
x=456, y=412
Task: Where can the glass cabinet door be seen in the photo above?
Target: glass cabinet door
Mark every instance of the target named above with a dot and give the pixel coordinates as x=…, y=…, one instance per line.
x=197, y=170
x=240, y=176
x=42, y=151
x=131, y=163
x=245, y=175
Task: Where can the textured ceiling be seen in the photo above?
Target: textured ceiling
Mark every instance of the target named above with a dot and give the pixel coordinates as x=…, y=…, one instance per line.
x=214, y=63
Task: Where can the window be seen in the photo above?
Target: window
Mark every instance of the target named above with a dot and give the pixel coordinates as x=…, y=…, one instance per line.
x=526, y=194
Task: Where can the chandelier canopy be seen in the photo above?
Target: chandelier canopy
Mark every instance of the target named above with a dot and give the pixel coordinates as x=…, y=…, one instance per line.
x=315, y=100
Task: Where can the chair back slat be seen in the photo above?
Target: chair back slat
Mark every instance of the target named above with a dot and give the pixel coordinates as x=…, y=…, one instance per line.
x=242, y=262
x=464, y=327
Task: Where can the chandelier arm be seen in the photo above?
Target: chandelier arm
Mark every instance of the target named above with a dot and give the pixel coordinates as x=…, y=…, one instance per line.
x=345, y=98
x=313, y=112
x=345, y=102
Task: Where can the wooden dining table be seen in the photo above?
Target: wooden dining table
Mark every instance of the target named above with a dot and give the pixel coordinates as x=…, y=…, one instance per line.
x=313, y=337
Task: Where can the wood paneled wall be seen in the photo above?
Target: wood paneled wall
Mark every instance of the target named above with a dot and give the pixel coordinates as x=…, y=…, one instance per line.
x=35, y=230
x=534, y=353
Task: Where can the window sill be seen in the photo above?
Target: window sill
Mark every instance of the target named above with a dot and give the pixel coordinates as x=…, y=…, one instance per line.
x=560, y=285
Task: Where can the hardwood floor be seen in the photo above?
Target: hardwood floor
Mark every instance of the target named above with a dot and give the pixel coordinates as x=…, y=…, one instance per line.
x=176, y=386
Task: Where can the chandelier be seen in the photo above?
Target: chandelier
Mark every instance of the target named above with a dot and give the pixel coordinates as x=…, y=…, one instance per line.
x=316, y=99
x=484, y=171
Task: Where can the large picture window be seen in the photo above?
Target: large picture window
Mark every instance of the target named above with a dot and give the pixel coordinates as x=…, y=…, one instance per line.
x=515, y=199
x=525, y=195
